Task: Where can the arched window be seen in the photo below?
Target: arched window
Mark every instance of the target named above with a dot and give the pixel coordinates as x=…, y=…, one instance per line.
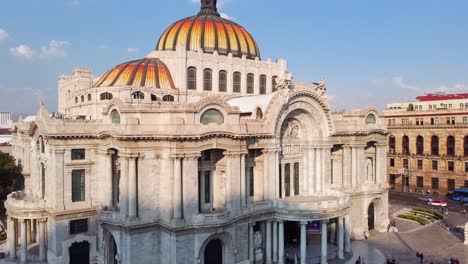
x=168, y=98
x=370, y=119
x=138, y=95
x=42, y=181
x=450, y=146
x=435, y=146
x=207, y=80
x=405, y=145
x=419, y=145
x=82, y=98
x=273, y=83
x=192, y=78
x=250, y=83
x=212, y=116
x=263, y=80
x=392, y=144
x=115, y=117
x=222, y=81
x=154, y=98
x=465, y=146
x=40, y=144
x=106, y=96
x=89, y=97
x=236, y=82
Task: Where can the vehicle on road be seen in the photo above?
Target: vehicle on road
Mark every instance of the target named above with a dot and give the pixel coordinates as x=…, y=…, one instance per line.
x=460, y=195
x=437, y=203
x=425, y=198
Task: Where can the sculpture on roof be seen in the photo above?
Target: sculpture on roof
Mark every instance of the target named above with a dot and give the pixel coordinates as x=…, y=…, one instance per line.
x=320, y=87
x=285, y=85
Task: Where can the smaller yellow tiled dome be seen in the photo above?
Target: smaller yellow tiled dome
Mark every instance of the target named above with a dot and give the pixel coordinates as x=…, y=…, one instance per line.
x=147, y=72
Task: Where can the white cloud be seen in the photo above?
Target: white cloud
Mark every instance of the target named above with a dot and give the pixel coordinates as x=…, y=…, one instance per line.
x=132, y=50
x=3, y=35
x=56, y=48
x=226, y=16
x=75, y=3
x=24, y=52
x=399, y=82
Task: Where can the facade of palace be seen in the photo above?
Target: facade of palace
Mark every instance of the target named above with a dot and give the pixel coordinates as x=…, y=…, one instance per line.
x=200, y=152
x=428, y=143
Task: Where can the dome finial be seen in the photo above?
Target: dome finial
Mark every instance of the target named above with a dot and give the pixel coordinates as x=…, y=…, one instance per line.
x=208, y=7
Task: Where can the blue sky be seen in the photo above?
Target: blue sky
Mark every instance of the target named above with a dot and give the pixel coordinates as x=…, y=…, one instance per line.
x=369, y=52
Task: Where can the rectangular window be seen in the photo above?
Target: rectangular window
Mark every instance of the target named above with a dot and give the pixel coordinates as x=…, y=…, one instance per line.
x=466, y=166
x=405, y=163
x=450, y=165
x=78, y=154
x=417, y=121
x=435, y=183
x=448, y=120
x=420, y=182
x=453, y=120
x=420, y=164
x=466, y=183
x=465, y=120
x=451, y=185
x=421, y=121
x=462, y=105
x=435, y=165
x=78, y=226
x=287, y=179
x=436, y=121
x=392, y=162
x=432, y=121
x=296, y=178
x=450, y=106
x=430, y=107
x=251, y=181
x=78, y=185
x=207, y=186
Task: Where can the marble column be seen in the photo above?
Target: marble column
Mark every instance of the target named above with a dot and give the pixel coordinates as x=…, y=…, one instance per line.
x=42, y=240
x=311, y=170
x=281, y=242
x=283, y=188
x=243, y=180
x=354, y=167
x=303, y=243
x=346, y=166
x=34, y=230
x=332, y=227
x=324, y=248
x=177, y=191
x=11, y=237
x=132, y=188
x=318, y=170
x=326, y=163
x=24, y=241
x=29, y=230
x=340, y=237
x=190, y=185
x=268, y=242
x=275, y=242
x=347, y=234
x=251, y=243
x=228, y=182
x=277, y=175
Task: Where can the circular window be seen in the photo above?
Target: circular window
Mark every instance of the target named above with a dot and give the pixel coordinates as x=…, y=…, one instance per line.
x=370, y=119
x=212, y=116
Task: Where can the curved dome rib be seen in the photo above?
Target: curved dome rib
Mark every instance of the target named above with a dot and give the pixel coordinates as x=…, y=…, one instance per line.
x=147, y=72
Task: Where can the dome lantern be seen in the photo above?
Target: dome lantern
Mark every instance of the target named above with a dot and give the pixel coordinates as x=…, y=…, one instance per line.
x=208, y=7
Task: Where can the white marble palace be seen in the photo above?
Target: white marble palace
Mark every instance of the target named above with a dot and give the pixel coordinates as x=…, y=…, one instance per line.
x=201, y=152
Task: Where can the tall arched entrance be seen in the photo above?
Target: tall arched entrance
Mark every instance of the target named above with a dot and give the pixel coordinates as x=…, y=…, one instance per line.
x=79, y=253
x=112, y=253
x=371, y=217
x=214, y=252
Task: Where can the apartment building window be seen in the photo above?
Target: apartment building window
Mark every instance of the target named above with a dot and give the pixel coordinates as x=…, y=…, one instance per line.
x=453, y=120
x=421, y=121
x=392, y=162
x=450, y=106
x=430, y=107
x=419, y=145
x=465, y=146
x=450, y=166
x=420, y=182
x=391, y=144
x=466, y=166
x=432, y=121
x=78, y=185
x=466, y=105
x=436, y=121
x=420, y=164
x=465, y=185
x=450, y=185
x=435, y=165
x=405, y=145
x=465, y=120
x=462, y=106
x=450, y=146
x=417, y=121
x=435, y=183
x=435, y=146
x=448, y=120
x=78, y=154
x=405, y=163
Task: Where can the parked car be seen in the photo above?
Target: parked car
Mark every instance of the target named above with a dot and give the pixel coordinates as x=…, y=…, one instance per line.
x=437, y=203
x=425, y=198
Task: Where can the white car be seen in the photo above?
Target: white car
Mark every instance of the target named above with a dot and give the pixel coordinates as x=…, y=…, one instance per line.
x=425, y=198
x=437, y=203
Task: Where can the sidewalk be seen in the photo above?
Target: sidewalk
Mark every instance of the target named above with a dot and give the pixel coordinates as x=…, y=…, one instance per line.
x=370, y=254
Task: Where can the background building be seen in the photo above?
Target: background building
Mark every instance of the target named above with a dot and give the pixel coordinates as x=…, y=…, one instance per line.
x=200, y=152
x=428, y=143
x=5, y=134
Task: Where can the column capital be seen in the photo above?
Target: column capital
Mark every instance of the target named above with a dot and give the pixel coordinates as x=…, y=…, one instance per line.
x=235, y=154
x=42, y=220
x=22, y=220
x=271, y=150
x=59, y=151
x=130, y=155
x=177, y=156
x=192, y=155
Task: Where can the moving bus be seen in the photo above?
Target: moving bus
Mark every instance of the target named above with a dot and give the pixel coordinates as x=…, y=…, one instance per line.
x=460, y=195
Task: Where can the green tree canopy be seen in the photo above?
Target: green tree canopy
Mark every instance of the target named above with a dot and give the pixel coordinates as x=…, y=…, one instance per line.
x=9, y=173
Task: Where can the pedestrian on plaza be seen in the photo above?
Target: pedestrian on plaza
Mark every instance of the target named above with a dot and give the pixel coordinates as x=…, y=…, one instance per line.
x=365, y=235
x=422, y=257
x=457, y=261
x=418, y=256
x=358, y=260
x=388, y=228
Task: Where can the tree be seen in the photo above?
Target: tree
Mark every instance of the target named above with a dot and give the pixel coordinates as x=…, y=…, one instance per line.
x=9, y=174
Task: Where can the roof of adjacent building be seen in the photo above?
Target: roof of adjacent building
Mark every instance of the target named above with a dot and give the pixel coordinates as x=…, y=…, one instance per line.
x=209, y=32
x=147, y=72
x=441, y=97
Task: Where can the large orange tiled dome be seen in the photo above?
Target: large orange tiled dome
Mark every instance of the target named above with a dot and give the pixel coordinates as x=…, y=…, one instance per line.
x=210, y=32
x=147, y=72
